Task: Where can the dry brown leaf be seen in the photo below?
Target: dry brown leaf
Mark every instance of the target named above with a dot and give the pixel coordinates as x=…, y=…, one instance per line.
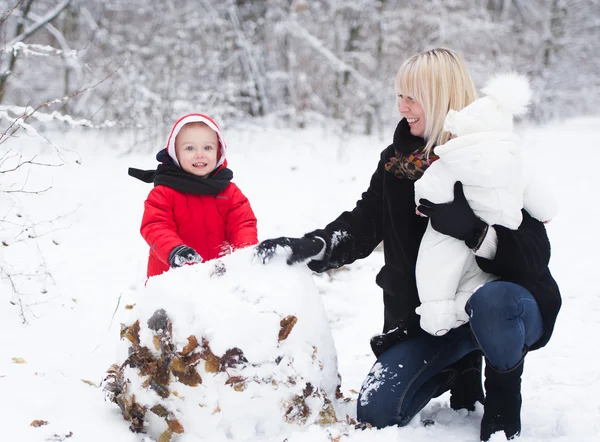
x=308, y=390
x=160, y=389
x=231, y=358
x=296, y=410
x=160, y=411
x=129, y=306
x=192, y=344
x=189, y=377
x=142, y=358
x=85, y=381
x=19, y=361
x=156, y=342
x=336, y=438
x=217, y=410
x=177, y=364
x=327, y=414
x=174, y=425
x=237, y=382
x=286, y=324
x=166, y=436
x=212, y=362
x=131, y=333
x=38, y=423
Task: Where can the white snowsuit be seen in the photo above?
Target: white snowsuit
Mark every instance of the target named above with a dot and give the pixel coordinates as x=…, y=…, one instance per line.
x=490, y=167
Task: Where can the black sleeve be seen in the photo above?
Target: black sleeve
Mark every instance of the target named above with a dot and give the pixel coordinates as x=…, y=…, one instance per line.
x=355, y=234
x=521, y=253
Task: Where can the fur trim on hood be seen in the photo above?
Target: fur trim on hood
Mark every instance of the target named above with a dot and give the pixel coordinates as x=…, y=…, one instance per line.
x=506, y=95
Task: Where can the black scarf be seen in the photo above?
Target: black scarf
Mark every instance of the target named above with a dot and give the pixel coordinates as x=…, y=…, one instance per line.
x=170, y=175
x=410, y=160
x=406, y=143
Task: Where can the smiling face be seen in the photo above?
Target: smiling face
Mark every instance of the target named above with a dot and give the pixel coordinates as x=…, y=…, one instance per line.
x=414, y=114
x=428, y=84
x=197, y=147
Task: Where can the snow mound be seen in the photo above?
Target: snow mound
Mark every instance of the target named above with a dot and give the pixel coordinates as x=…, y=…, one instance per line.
x=226, y=349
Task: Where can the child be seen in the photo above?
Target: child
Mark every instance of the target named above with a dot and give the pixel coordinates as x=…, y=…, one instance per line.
x=484, y=155
x=194, y=213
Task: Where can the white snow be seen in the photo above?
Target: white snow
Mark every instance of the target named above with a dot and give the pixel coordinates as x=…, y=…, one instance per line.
x=52, y=365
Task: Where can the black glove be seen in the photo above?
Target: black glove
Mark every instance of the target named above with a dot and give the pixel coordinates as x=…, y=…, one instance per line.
x=455, y=219
x=302, y=249
x=182, y=255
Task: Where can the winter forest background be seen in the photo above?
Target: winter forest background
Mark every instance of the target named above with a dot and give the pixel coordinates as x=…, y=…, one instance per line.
x=303, y=91
x=295, y=60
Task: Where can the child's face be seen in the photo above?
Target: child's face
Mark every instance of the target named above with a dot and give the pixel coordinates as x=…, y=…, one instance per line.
x=196, y=148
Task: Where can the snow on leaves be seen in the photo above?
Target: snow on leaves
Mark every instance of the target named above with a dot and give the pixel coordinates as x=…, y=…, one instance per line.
x=245, y=353
x=161, y=369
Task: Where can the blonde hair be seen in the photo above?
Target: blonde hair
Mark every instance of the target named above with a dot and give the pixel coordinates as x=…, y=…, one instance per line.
x=439, y=81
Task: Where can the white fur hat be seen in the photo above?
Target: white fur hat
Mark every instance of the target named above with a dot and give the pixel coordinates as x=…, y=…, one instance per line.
x=506, y=95
x=192, y=118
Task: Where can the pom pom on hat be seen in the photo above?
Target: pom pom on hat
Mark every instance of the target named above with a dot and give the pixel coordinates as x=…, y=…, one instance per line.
x=506, y=95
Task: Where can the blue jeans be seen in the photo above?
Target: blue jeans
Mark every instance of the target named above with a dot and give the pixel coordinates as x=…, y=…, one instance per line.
x=505, y=319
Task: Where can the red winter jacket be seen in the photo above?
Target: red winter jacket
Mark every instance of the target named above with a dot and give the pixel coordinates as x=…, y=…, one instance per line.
x=210, y=224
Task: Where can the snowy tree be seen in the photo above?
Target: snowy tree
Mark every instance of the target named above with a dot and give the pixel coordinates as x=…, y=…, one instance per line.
x=24, y=230
x=295, y=60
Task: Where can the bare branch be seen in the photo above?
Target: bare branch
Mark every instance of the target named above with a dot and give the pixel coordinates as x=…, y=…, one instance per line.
x=42, y=22
x=25, y=113
x=33, y=163
x=335, y=62
x=32, y=192
x=9, y=12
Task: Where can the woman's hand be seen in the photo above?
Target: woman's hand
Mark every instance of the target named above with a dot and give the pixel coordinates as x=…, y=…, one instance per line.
x=455, y=219
x=297, y=249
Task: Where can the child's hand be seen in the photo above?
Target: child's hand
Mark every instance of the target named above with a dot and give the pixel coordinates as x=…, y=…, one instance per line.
x=182, y=255
x=437, y=317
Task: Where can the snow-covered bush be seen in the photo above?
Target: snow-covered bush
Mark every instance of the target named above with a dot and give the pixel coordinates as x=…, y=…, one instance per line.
x=227, y=348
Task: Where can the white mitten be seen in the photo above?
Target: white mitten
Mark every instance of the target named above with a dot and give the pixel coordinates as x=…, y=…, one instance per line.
x=437, y=317
x=461, y=301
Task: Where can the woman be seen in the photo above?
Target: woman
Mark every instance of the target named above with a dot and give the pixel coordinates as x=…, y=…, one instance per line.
x=508, y=317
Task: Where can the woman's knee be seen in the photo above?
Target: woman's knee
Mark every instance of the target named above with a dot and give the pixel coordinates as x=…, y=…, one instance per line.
x=497, y=298
x=378, y=410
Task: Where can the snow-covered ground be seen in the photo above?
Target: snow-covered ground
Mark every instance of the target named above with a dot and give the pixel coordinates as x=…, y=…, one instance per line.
x=52, y=365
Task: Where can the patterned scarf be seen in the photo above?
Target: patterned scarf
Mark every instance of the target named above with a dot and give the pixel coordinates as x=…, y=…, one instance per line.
x=411, y=166
x=410, y=160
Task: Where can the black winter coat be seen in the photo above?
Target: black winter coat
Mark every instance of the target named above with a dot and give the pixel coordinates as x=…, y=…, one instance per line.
x=386, y=212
